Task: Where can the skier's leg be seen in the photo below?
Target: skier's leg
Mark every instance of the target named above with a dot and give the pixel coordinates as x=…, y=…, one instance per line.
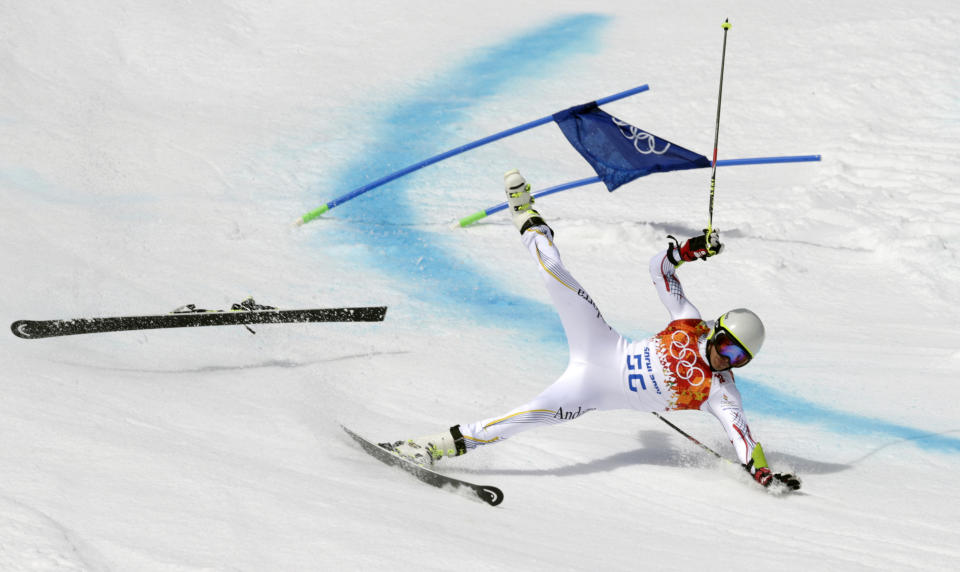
x=582, y=388
x=588, y=335
x=585, y=328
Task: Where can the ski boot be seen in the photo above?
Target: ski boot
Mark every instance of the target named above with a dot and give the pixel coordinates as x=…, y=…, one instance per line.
x=520, y=201
x=425, y=451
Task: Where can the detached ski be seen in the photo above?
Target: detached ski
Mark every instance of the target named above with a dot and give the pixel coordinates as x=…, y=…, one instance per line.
x=244, y=313
x=488, y=494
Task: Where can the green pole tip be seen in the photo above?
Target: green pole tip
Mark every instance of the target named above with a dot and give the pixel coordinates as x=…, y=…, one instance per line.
x=726, y=24
x=313, y=214
x=468, y=220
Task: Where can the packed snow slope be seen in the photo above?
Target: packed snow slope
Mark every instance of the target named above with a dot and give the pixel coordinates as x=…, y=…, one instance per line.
x=156, y=154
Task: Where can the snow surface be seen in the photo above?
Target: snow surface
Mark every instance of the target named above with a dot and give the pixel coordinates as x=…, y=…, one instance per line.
x=154, y=154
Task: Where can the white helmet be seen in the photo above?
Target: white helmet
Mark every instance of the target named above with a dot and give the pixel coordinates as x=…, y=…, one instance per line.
x=744, y=327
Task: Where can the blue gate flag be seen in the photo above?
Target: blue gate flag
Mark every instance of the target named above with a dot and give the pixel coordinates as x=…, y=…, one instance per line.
x=618, y=151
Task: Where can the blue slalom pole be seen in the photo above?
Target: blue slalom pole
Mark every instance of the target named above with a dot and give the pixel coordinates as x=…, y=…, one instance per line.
x=767, y=160
x=446, y=155
x=470, y=219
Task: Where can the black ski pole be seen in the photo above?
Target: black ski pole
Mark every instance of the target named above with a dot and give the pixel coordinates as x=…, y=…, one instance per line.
x=716, y=134
x=687, y=435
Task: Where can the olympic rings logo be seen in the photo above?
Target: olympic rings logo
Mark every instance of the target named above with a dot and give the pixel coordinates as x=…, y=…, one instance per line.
x=643, y=142
x=681, y=350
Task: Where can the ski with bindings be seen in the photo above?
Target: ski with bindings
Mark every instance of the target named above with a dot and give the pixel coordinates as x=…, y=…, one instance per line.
x=189, y=316
x=488, y=494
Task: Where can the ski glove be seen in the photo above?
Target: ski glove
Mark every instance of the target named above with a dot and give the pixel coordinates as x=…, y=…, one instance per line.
x=695, y=248
x=790, y=481
x=766, y=478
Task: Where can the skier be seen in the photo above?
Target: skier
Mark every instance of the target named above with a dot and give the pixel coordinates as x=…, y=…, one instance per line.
x=686, y=366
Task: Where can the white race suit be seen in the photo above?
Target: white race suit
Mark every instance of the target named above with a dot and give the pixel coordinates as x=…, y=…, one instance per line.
x=665, y=372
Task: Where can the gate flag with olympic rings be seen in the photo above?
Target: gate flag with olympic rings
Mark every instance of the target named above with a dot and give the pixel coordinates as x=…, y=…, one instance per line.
x=618, y=151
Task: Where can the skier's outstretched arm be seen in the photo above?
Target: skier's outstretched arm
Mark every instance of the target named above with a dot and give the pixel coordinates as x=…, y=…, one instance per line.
x=725, y=405
x=663, y=271
x=669, y=288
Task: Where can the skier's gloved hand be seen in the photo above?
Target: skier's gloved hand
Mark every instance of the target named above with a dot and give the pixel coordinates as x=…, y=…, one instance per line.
x=791, y=481
x=695, y=248
x=763, y=476
x=757, y=467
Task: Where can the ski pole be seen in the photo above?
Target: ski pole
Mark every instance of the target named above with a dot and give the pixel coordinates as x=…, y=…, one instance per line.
x=687, y=435
x=716, y=134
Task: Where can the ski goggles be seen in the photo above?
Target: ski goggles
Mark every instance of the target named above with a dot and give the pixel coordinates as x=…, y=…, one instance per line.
x=728, y=346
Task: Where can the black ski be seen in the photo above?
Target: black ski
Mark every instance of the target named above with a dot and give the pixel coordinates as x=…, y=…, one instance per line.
x=190, y=318
x=488, y=494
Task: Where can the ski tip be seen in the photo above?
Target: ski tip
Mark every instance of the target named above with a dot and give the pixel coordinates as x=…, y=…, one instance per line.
x=20, y=329
x=490, y=495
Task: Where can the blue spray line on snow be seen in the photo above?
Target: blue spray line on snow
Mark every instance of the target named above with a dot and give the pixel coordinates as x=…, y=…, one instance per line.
x=763, y=399
x=382, y=227
x=425, y=262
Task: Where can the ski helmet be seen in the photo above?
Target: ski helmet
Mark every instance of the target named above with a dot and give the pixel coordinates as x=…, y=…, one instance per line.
x=744, y=327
